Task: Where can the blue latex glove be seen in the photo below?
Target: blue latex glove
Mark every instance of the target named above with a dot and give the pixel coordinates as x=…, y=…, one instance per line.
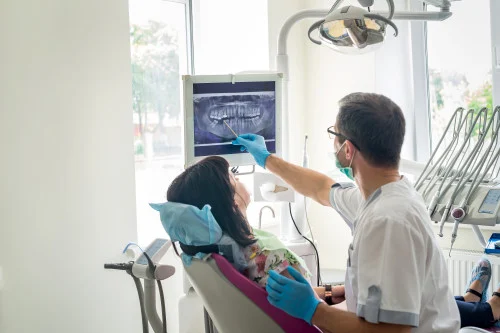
x=295, y=297
x=255, y=145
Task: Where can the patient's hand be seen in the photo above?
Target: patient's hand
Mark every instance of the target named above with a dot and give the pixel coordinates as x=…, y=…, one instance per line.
x=317, y=292
x=341, y=306
x=338, y=294
x=286, y=274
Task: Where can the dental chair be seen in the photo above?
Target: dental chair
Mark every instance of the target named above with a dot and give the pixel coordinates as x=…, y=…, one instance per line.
x=233, y=302
x=237, y=304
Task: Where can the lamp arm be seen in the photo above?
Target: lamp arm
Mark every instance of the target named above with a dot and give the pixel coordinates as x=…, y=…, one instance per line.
x=290, y=22
x=443, y=4
x=335, y=5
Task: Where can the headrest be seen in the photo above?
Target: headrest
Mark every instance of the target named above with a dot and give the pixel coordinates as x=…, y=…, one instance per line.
x=188, y=224
x=197, y=227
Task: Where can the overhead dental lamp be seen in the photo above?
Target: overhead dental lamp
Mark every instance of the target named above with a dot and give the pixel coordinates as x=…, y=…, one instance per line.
x=353, y=29
x=356, y=30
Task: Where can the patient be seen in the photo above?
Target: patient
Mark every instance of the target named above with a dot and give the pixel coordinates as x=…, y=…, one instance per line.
x=210, y=182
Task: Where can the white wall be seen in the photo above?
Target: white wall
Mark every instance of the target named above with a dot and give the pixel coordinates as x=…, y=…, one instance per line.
x=330, y=76
x=67, y=185
x=225, y=43
x=279, y=11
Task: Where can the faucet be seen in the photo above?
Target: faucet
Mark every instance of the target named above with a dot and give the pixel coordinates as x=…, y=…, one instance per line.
x=260, y=214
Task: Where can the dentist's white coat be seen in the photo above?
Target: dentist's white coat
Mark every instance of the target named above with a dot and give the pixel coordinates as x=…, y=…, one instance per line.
x=396, y=272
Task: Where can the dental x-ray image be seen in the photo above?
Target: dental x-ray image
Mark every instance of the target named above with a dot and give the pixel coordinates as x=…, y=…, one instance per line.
x=247, y=107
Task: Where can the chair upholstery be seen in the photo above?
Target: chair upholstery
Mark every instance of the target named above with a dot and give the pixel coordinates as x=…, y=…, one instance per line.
x=237, y=304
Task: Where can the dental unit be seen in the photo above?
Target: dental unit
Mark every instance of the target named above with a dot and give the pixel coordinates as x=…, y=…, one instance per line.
x=460, y=181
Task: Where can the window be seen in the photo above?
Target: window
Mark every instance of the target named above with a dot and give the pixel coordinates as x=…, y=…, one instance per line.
x=224, y=41
x=230, y=36
x=158, y=40
x=460, y=63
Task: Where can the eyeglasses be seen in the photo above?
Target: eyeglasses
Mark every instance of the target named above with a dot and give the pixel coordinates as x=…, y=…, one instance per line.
x=332, y=134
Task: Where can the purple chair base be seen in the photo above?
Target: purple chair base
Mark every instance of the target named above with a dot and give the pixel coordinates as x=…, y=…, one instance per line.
x=258, y=295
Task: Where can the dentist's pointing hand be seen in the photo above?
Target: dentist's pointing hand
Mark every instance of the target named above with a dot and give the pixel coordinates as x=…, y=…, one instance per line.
x=295, y=297
x=255, y=145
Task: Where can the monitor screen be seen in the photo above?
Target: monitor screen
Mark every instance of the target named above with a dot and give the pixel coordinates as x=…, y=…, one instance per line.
x=216, y=112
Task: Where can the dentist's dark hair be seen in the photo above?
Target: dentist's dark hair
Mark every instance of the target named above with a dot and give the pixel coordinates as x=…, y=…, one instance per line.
x=208, y=182
x=376, y=124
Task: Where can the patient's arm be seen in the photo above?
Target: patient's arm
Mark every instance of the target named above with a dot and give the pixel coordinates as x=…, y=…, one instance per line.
x=341, y=306
x=318, y=290
x=338, y=293
x=286, y=274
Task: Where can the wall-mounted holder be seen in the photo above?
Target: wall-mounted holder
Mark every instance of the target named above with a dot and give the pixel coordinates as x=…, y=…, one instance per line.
x=268, y=187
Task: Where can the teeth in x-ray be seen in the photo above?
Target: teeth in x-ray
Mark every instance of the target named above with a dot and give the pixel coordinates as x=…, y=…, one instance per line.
x=243, y=113
x=234, y=112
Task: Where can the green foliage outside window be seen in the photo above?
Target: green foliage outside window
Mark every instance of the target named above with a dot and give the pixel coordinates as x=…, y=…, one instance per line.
x=155, y=76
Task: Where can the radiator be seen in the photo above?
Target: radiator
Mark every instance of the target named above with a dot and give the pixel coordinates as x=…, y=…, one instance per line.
x=460, y=266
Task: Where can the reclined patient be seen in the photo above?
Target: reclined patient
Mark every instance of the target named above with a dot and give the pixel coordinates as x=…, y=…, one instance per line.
x=210, y=182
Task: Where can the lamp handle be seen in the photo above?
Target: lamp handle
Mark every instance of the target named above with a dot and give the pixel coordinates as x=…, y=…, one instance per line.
x=313, y=27
x=369, y=3
x=366, y=3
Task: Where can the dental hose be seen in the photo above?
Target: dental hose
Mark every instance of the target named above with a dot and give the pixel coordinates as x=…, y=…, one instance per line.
x=305, y=164
x=318, y=271
x=458, y=218
x=163, y=310
x=128, y=268
x=152, y=267
x=432, y=205
x=460, y=214
x=454, y=235
x=140, y=291
x=443, y=219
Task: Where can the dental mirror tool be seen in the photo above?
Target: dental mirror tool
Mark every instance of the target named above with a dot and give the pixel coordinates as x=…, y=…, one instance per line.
x=236, y=135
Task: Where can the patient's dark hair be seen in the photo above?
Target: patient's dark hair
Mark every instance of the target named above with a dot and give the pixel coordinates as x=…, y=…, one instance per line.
x=208, y=182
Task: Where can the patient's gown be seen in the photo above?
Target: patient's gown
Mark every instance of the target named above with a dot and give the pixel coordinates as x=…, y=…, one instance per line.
x=270, y=254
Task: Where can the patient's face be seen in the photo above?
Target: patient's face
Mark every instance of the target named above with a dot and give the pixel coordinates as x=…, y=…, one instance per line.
x=240, y=191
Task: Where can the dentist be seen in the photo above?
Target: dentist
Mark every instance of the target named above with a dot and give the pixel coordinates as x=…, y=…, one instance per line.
x=396, y=279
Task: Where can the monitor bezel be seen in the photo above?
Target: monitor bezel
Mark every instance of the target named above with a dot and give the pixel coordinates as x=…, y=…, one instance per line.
x=233, y=159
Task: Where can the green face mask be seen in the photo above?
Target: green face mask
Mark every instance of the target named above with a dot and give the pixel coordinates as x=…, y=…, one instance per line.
x=345, y=170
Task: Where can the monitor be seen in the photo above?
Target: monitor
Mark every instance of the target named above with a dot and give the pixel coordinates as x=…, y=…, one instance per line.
x=216, y=107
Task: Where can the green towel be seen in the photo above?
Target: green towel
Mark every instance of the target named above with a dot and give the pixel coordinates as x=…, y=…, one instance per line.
x=268, y=241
